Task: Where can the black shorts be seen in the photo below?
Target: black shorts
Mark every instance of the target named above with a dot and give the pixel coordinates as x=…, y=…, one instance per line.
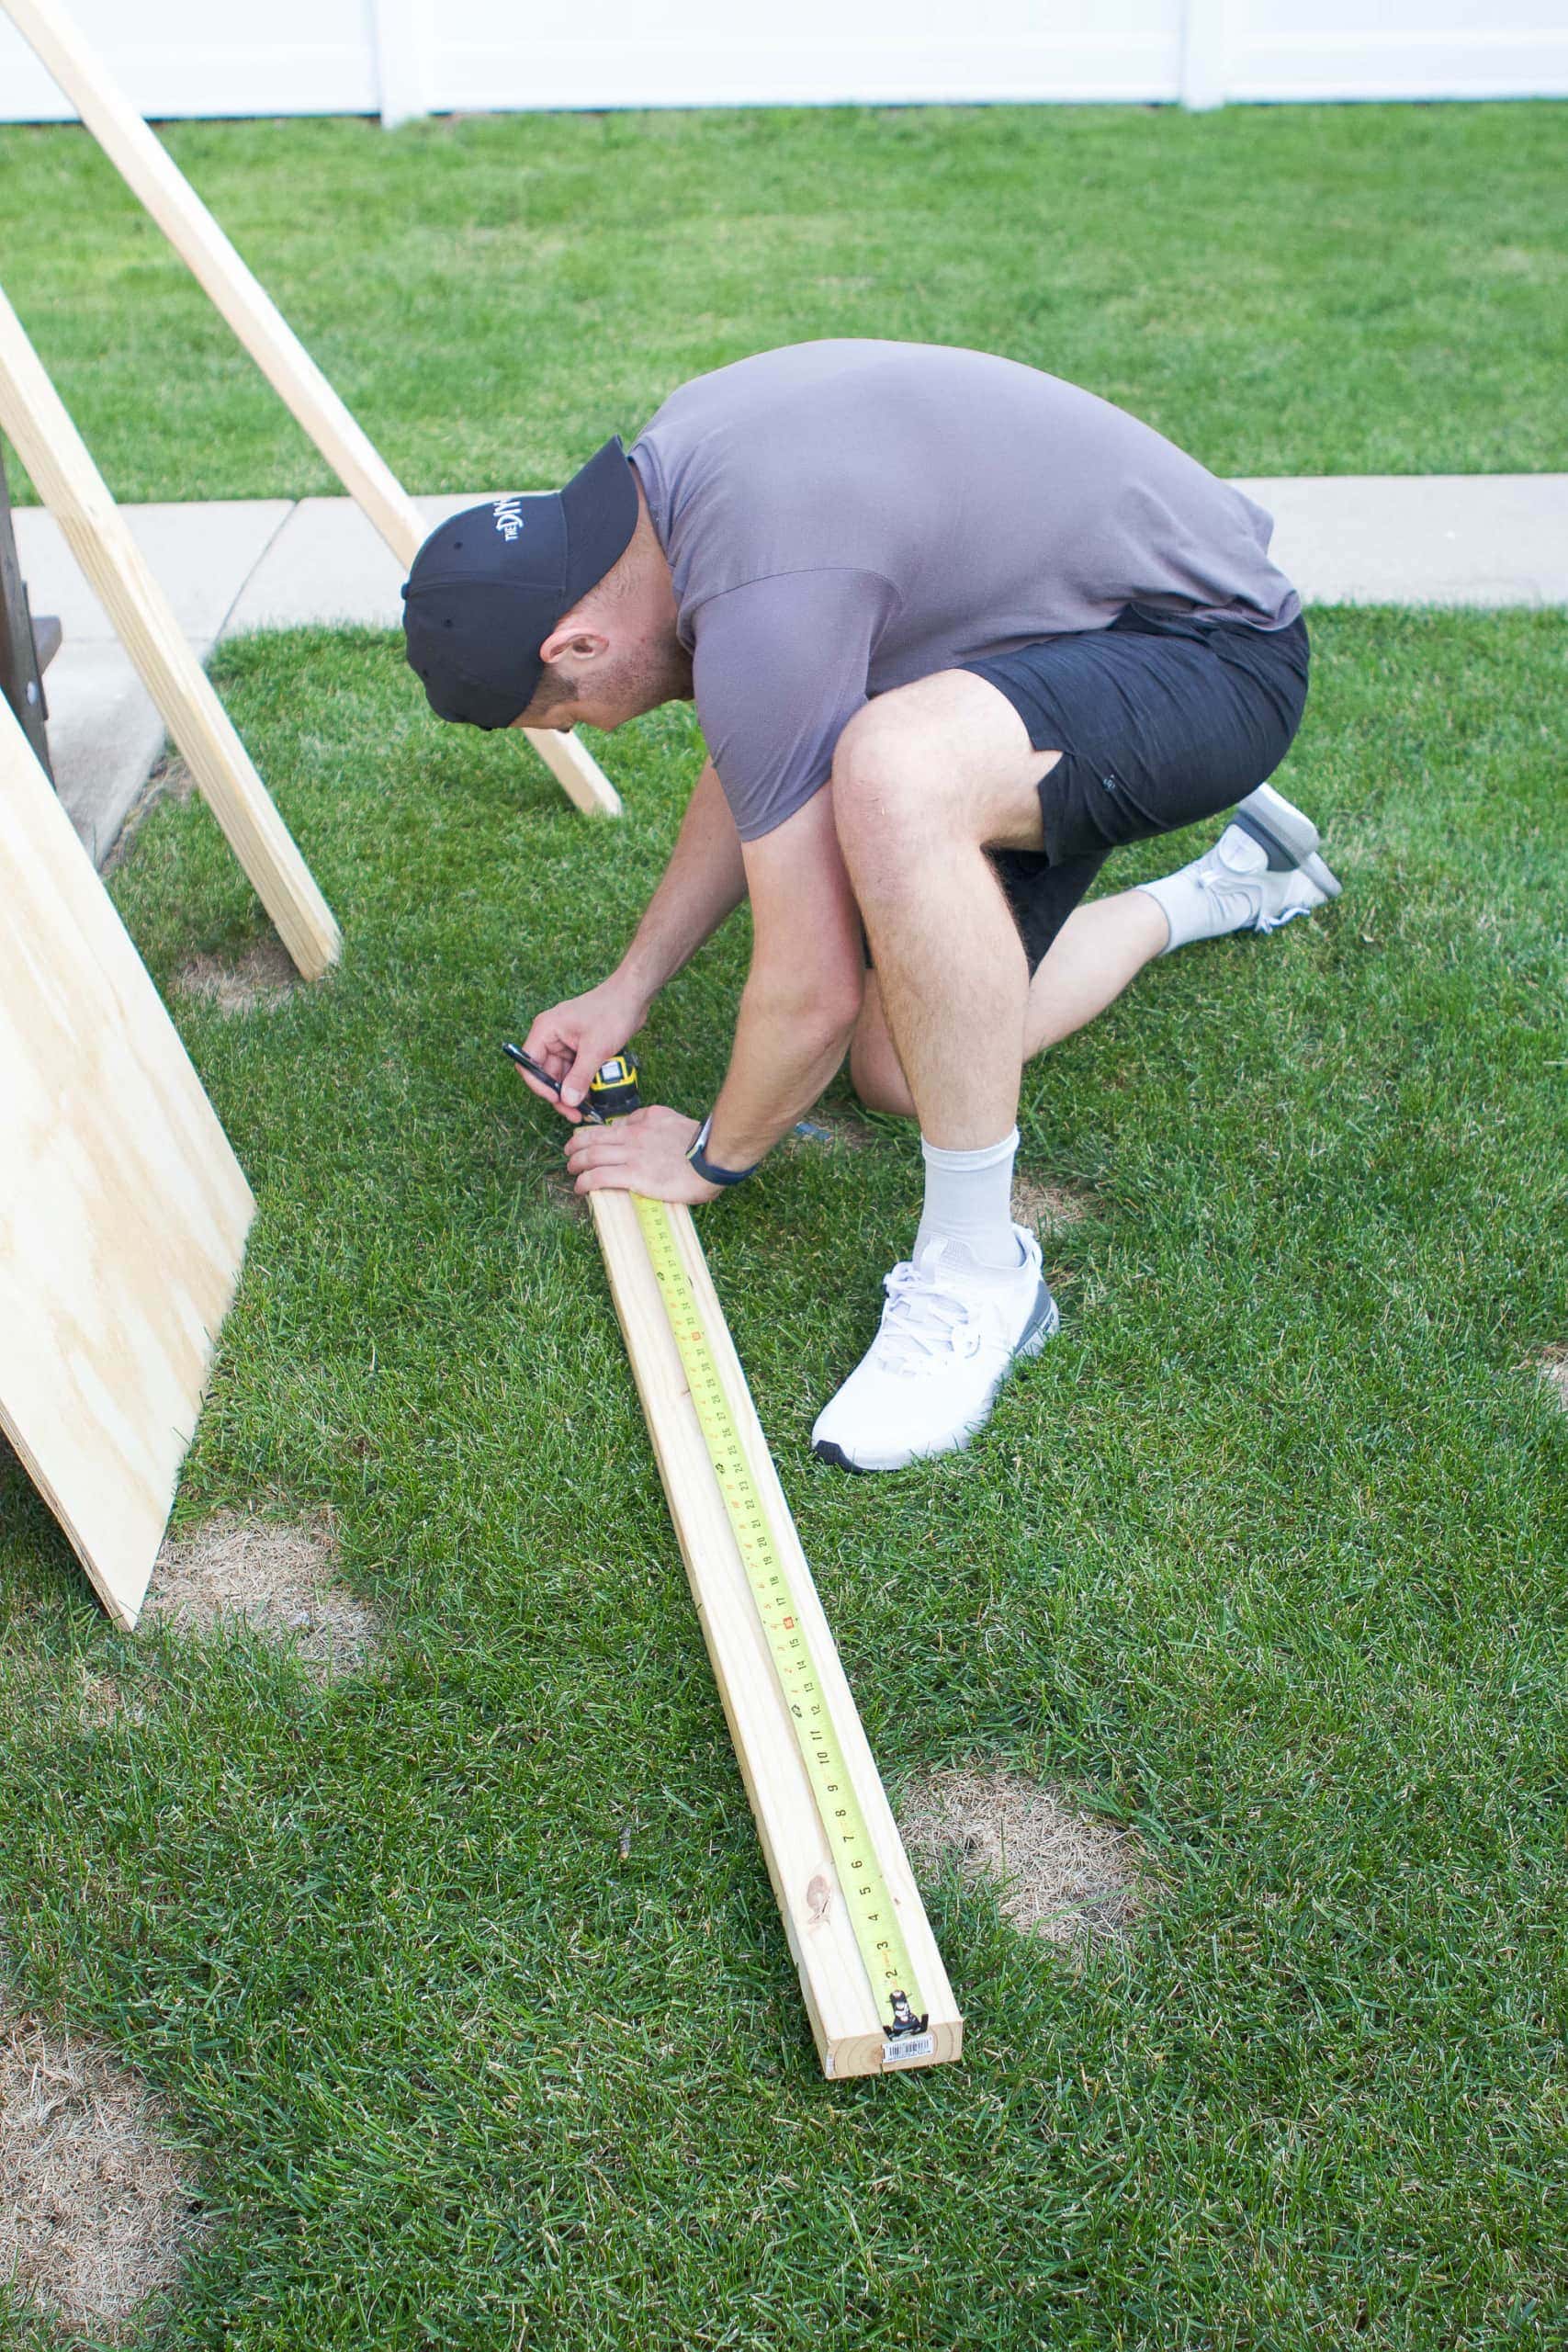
x=1159, y=721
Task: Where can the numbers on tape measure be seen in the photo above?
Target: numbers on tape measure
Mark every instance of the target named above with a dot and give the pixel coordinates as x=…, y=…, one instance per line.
x=871, y=1909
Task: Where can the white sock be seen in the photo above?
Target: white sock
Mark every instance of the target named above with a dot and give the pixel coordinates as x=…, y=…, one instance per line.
x=1193, y=911
x=969, y=1202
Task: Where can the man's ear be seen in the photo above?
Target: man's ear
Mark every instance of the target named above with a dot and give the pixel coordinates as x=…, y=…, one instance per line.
x=573, y=637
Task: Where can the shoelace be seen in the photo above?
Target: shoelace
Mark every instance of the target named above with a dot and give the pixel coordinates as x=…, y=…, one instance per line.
x=921, y=1321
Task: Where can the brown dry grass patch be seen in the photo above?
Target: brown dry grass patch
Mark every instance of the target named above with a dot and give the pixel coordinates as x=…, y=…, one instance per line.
x=561, y=1193
x=276, y=1576
x=259, y=980
x=1553, y=1366
x=1059, y=1874
x=1044, y=1206
x=848, y=1130
x=97, y=2212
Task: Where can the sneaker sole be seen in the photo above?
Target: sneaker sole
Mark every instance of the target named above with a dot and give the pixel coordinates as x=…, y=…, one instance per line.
x=1044, y=1325
x=1327, y=888
x=1316, y=871
x=1277, y=824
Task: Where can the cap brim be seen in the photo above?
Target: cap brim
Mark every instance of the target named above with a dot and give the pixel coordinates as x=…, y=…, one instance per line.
x=465, y=703
x=601, y=507
x=453, y=610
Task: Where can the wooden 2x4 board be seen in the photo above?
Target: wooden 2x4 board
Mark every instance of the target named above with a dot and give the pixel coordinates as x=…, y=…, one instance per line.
x=850, y=2032
x=123, y=1211
x=57, y=458
x=150, y=171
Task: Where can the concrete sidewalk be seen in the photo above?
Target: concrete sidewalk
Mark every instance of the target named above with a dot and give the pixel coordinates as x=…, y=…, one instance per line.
x=1477, y=539
x=226, y=564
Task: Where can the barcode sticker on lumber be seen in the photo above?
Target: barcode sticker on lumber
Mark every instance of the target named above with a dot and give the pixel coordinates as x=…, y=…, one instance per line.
x=912, y=2045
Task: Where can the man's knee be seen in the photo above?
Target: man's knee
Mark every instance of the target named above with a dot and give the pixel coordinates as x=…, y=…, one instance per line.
x=941, y=766
x=884, y=776
x=881, y=1089
x=876, y=1072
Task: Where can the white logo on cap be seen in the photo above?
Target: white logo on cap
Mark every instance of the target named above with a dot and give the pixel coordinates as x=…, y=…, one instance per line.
x=509, y=517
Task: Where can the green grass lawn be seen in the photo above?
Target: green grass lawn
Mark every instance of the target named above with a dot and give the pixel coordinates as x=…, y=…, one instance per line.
x=1264, y=1556
x=1282, y=290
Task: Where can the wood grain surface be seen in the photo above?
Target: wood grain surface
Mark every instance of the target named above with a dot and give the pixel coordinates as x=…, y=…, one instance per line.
x=123, y=1212
x=152, y=175
x=57, y=458
x=838, y=1998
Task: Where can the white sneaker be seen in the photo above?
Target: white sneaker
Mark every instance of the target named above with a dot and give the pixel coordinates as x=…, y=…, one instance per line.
x=1263, y=871
x=951, y=1332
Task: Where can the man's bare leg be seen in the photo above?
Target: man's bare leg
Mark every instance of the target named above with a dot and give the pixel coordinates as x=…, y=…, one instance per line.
x=1263, y=871
x=926, y=779
x=1098, y=951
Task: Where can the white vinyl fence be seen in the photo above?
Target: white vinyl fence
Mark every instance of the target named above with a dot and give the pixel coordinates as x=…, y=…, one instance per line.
x=402, y=58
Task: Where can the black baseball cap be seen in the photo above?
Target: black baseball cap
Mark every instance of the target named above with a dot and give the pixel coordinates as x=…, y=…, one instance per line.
x=487, y=586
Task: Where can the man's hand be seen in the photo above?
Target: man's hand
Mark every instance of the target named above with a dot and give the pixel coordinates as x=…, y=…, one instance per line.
x=646, y=1153
x=572, y=1039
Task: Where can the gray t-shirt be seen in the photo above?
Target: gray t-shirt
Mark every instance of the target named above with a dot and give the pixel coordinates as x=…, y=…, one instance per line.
x=845, y=517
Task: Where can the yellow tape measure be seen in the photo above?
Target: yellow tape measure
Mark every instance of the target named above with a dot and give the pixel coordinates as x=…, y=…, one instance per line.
x=870, y=1904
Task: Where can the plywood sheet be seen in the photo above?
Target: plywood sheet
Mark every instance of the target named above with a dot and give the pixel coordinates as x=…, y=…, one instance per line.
x=123, y=1212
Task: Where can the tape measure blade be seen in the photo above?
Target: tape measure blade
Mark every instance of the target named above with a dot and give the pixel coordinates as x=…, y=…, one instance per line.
x=832, y=1976
x=852, y=1730
x=881, y=1900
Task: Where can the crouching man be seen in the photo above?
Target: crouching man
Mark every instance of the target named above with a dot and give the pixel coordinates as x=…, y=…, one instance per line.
x=955, y=630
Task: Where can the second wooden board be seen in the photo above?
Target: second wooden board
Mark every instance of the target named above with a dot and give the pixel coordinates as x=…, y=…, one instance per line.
x=151, y=170
x=99, y=537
